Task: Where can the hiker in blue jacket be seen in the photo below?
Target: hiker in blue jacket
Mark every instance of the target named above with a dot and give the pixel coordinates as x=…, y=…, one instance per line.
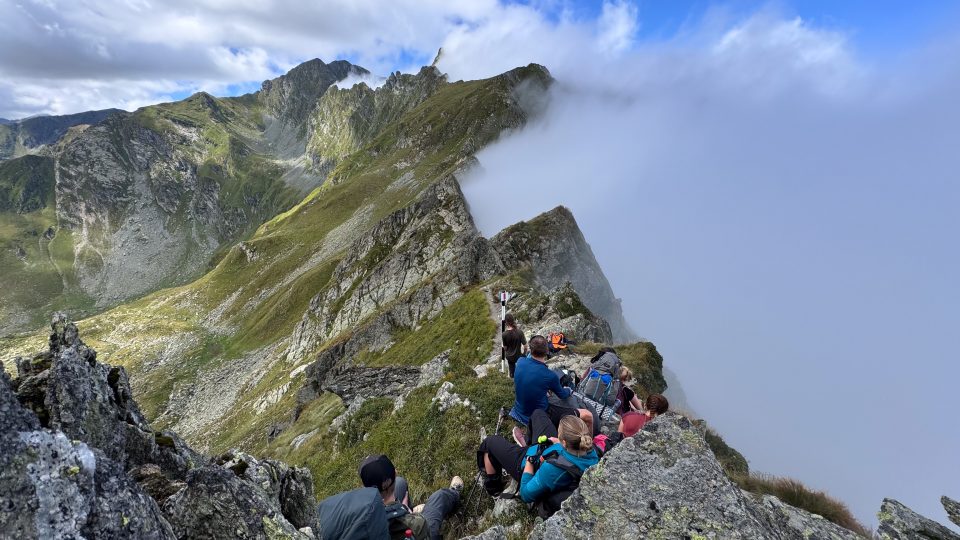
x=527, y=465
x=532, y=380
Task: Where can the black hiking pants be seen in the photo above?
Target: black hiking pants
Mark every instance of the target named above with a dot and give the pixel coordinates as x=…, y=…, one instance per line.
x=508, y=456
x=441, y=504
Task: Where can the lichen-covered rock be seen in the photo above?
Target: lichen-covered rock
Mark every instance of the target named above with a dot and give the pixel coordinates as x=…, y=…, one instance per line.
x=52, y=487
x=217, y=504
x=665, y=483
x=90, y=466
x=555, y=249
x=897, y=522
x=952, y=507
x=497, y=532
x=290, y=487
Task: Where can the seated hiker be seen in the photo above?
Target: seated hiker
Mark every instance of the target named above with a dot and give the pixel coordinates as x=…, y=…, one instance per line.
x=632, y=422
x=536, y=467
x=532, y=380
x=424, y=520
x=514, y=343
x=628, y=398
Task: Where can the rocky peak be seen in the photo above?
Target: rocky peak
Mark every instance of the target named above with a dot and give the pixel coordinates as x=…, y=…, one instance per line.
x=293, y=95
x=554, y=248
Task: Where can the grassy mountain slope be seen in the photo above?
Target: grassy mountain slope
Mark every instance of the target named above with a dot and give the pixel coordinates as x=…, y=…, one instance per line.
x=149, y=199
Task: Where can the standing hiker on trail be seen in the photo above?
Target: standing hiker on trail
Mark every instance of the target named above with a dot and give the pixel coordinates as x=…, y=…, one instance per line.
x=514, y=342
x=346, y=515
x=532, y=380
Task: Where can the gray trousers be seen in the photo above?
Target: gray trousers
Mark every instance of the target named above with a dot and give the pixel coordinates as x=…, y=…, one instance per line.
x=441, y=504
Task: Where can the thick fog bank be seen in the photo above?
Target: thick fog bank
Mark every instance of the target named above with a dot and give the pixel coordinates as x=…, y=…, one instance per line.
x=784, y=227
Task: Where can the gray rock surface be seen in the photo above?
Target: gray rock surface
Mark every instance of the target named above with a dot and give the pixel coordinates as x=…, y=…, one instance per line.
x=497, y=532
x=218, y=504
x=952, y=507
x=897, y=522
x=90, y=466
x=665, y=483
x=554, y=247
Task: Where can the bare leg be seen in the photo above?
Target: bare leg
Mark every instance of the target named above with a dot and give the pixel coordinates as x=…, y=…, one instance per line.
x=487, y=466
x=587, y=418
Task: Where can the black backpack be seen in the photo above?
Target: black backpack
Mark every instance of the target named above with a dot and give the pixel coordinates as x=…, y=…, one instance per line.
x=548, y=504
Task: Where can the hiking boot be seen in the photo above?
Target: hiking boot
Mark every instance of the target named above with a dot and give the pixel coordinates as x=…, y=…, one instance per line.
x=519, y=436
x=493, y=483
x=456, y=484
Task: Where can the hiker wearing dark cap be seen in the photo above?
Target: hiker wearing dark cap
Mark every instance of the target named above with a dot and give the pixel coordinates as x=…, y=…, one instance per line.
x=425, y=520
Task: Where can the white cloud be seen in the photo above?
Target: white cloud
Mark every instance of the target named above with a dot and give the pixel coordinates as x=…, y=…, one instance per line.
x=779, y=217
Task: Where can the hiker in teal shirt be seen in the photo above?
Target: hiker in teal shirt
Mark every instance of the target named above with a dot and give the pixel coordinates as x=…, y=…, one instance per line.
x=574, y=443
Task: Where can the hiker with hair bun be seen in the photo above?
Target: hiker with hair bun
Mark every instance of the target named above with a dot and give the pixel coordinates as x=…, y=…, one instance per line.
x=514, y=342
x=551, y=467
x=632, y=422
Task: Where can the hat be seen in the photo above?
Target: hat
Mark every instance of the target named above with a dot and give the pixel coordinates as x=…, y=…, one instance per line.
x=375, y=471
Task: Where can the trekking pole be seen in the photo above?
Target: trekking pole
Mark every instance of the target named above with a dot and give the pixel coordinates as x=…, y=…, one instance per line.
x=503, y=328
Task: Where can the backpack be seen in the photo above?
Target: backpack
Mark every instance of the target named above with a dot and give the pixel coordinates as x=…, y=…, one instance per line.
x=602, y=381
x=558, y=341
x=356, y=514
x=548, y=505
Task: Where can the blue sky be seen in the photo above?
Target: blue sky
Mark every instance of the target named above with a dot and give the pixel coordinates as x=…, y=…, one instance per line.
x=785, y=171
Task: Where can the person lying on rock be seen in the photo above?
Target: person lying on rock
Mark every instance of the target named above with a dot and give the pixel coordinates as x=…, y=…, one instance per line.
x=534, y=466
x=532, y=380
x=633, y=421
x=424, y=520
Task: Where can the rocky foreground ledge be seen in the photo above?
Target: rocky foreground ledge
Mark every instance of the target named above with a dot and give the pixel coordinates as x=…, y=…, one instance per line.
x=666, y=483
x=79, y=460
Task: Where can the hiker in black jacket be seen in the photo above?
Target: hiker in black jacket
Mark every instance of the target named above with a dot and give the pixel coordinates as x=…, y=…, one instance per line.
x=514, y=342
x=424, y=520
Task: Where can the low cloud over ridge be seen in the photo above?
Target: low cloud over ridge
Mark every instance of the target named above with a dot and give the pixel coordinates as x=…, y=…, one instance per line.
x=779, y=217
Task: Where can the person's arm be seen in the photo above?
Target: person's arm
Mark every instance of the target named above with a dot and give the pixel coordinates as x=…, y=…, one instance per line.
x=558, y=389
x=523, y=341
x=533, y=486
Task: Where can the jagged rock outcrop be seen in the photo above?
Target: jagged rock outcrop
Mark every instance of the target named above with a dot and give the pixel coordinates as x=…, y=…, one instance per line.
x=897, y=522
x=89, y=465
x=665, y=483
x=952, y=507
x=422, y=256
x=555, y=249
x=346, y=119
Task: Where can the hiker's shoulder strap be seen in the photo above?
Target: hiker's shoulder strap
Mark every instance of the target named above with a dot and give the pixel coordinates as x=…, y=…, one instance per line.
x=561, y=462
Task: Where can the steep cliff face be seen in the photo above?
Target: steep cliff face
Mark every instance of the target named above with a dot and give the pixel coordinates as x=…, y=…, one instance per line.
x=556, y=251
x=146, y=200
x=34, y=135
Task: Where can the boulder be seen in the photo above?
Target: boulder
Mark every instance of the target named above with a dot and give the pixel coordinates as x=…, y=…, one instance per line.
x=217, y=504
x=497, y=532
x=952, y=507
x=79, y=460
x=666, y=483
x=897, y=522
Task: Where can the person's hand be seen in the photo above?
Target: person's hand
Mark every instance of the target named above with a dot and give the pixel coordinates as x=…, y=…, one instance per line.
x=554, y=440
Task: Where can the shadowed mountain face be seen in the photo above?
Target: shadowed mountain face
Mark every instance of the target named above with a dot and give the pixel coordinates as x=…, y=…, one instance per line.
x=107, y=206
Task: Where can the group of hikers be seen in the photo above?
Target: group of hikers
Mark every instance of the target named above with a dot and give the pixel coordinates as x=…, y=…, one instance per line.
x=557, y=438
